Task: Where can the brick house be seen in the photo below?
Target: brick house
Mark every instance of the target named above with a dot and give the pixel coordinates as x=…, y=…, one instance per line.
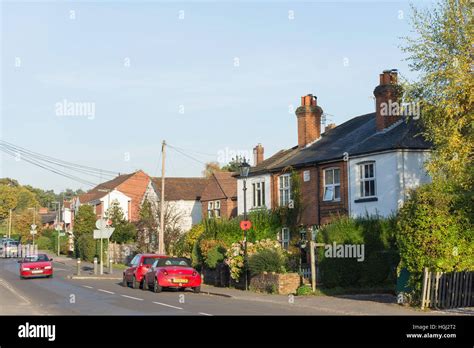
x=126, y=189
x=366, y=165
x=219, y=197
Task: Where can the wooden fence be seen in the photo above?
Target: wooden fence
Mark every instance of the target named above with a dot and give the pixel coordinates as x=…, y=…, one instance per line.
x=447, y=290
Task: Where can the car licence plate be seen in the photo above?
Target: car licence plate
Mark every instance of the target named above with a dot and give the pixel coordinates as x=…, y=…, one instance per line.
x=179, y=280
x=37, y=271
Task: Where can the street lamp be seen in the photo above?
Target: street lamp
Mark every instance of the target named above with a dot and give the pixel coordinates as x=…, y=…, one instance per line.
x=244, y=173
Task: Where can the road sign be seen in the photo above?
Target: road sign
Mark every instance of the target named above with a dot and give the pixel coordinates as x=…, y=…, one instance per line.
x=33, y=232
x=245, y=225
x=57, y=227
x=33, y=227
x=101, y=224
x=104, y=233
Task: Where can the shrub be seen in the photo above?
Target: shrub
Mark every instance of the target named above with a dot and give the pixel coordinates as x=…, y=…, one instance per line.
x=44, y=243
x=86, y=248
x=304, y=290
x=214, y=256
x=380, y=252
x=184, y=246
x=267, y=260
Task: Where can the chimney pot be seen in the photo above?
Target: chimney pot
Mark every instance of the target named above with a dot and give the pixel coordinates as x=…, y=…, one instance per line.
x=258, y=152
x=309, y=120
x=386, y=94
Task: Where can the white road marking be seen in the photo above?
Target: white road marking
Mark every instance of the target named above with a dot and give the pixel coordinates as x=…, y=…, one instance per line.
x=167, y=305
x=7, y=286
x=133, y=298
x=109, y=292
x=87, y=286
x=202, y=313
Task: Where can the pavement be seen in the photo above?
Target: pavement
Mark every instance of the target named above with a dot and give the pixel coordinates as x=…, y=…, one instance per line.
x=104, y=295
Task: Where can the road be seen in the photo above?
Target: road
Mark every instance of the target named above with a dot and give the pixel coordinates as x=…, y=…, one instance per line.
x=63, y=296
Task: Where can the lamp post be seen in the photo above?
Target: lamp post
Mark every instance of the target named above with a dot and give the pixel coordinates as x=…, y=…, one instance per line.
x=244, y=172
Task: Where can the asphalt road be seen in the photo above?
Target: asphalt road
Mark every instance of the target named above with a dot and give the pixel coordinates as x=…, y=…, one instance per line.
x=63, y=296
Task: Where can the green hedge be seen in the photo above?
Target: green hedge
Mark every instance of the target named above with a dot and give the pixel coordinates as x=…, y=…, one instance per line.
x=86, y=248
x=380, y=253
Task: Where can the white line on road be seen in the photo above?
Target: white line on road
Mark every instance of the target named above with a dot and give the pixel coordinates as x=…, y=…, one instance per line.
x=133, y=298
x=167, y=305
x=109, y=292
x=202, y=313
x=87, y=286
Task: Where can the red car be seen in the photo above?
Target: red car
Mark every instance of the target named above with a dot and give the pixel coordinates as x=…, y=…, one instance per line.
x=39, y=265
x=138, y=267
x=172, y=272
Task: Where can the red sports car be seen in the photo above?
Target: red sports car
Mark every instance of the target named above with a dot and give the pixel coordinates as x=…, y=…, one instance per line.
x=140, y=264
x=39, y=265
x=172, y=272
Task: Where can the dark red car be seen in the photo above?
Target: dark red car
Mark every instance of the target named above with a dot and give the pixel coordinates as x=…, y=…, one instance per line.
x=138, y=267
x=39, y=265
x=172, y=272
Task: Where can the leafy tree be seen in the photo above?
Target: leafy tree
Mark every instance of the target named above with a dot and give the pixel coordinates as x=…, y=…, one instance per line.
x=124, y=231
x=146, y=227
x=84, y=225
x=8, y=200
x=210, y=168
x=233, y=165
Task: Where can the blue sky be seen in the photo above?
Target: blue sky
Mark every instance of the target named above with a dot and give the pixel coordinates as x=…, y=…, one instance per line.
x=185, y=64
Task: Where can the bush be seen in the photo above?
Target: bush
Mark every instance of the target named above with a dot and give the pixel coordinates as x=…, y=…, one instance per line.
x=86, y=248
x=184, y=246
x=44, y=243
x=215, y=256
x=380, y=252
x=267, y=260
x=304, y=290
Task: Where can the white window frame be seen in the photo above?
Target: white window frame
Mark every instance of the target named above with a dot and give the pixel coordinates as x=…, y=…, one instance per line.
x=284, y=238
x=282, y=188
x=363, y=179
x=217, y=209
x=332, y=186
x=210, y=209
x=258, y=192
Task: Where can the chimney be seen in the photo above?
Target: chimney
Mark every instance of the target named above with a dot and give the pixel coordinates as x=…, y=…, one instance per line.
x=386, y=95
x=329, y=127
x=257, y=154
x=309, y=120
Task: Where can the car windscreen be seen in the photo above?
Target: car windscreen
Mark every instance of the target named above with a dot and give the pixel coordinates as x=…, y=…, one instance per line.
x=173, y=261
x=36, y=258
x=149, y=260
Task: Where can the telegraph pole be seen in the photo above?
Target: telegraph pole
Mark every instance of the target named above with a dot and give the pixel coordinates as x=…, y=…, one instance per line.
x=161, y=236
x=10, y=224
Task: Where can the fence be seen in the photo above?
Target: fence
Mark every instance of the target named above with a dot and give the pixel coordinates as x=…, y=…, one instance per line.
x=447, y=290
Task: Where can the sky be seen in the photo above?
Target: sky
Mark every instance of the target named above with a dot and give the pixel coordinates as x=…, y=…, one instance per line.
x=212, y=79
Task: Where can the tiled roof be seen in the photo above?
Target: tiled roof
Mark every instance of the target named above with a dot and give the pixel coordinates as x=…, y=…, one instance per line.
x=359, y=136
x=273, y=161
x=187, y=189
x=220, y=185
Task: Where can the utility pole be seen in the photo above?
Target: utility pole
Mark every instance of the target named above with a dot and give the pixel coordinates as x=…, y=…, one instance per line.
x=161, y=236
x=10, y=224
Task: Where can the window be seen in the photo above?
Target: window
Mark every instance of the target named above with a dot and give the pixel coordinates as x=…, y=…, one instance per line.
x=303, y=234
x=210, y=209
x=285, y=189
x=135, y=260
x=217, y=209
x=284, y=238
x=367, y=179
x=258, y=194
x=332, y=184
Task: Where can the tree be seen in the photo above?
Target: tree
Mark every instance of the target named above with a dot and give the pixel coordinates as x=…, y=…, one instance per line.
x=211, y=168
x=84, y=225
x=8, y=200
x=435, y=225
x=234, y=164
x=441, y=54
x=124, y=231
x=146, y=226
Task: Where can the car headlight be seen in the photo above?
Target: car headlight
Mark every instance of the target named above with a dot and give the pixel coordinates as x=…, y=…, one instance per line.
x=47, y=267
x=26, y=268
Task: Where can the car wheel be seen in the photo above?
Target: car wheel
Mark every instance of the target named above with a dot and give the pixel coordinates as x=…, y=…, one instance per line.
x=124, y=282
x=145, y=284
x=197, y=289
x=156, y=287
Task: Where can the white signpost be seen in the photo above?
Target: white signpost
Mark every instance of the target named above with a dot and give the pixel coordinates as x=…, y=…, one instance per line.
x=103, y=232
x=33, y=232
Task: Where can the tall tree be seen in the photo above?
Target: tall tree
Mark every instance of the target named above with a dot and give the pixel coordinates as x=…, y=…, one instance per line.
x=124, y=230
